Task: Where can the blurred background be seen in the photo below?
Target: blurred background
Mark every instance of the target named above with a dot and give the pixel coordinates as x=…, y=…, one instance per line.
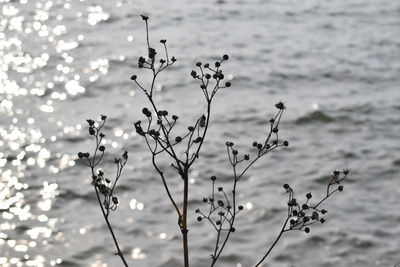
x=335, y=64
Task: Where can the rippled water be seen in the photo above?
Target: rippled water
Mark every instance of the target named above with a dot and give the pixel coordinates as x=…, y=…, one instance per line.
x=336, y=64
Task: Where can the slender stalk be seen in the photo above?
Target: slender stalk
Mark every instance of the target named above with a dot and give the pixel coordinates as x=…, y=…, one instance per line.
x=119, y=253
x=184, y=218
x=273, y=244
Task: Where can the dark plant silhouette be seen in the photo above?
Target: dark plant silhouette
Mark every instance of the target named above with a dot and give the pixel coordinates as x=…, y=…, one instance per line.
x=159, y=133
x=104, y=187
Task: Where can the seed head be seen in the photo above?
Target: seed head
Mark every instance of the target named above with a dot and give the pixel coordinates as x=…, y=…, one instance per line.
x=285, y=143
x=280, y=105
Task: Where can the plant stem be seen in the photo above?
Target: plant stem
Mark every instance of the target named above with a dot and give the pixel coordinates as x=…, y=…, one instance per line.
x=119, y=253
x=184, y=217
x=273, y=245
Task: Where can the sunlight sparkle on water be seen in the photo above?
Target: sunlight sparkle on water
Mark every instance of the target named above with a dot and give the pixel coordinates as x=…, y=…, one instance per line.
x=138, y=254
x=136, y=205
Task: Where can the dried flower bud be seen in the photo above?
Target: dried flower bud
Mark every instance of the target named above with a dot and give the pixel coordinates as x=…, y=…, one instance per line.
x=225, y=57
x=174, y=117
x=103, y=117
x=152, y=52
x=308, y=195
x=178, y=139
x=133, y=77
x=163, y=41
x=92, y=131
x=80, y=155
x=197, y=140
x=202, y=122
x=125, y=155
x=102, y=148
x=315, y=215
x=199, y=219
x=208, y=76
x=233, y=229
x=246, y=157
x=240, y=207
x=286, y=186
x=213, y=178
x=115, y=200
x=103, y=189
x=228, y=84
x=198, y=64
x=280, y=105
x=307, y=230
x=340, y=188
x=220, y=189
x=144, y=17
x=285, y=143
x=217, y=64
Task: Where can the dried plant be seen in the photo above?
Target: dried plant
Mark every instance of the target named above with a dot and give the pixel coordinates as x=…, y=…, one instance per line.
x=158, y=131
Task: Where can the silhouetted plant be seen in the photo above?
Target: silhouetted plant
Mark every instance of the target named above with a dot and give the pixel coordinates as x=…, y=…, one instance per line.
x=103, y=186
x=157, y=129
